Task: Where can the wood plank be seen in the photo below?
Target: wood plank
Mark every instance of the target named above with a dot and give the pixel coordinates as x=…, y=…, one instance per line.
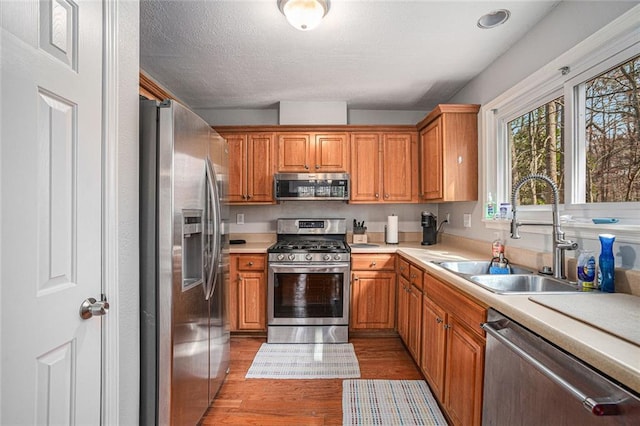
x=300, y=402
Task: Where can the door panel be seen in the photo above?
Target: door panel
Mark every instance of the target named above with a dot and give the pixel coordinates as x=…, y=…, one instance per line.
x=51, y=185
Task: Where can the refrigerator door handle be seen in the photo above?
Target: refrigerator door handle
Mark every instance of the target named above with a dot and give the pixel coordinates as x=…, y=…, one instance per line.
x=213, y=218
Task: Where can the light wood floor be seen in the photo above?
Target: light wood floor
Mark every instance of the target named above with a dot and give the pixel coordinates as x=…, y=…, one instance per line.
x=300, y=402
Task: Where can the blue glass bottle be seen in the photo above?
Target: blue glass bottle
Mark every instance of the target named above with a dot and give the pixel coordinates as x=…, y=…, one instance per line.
x=606, y=262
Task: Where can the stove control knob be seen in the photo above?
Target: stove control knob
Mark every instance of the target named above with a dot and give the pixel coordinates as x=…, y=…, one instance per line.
x=280, y=256
x=327, y=257
x=308, y=256
x=292, y=256
x=337, y=257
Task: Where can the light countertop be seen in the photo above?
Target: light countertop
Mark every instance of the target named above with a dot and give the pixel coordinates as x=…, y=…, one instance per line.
x=613, y=356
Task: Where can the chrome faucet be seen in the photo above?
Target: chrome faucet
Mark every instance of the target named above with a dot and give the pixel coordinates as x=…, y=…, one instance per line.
x=560, y=244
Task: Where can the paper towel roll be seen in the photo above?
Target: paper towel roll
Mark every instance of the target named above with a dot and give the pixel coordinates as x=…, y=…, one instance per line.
x=392, y=229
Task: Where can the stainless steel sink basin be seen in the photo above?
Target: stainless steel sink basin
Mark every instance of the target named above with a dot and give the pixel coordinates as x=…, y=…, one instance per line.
x=529, y=283
x=478, y=267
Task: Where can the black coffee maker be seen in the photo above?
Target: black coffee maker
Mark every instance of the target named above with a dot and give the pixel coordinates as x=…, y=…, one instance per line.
x=429, y=229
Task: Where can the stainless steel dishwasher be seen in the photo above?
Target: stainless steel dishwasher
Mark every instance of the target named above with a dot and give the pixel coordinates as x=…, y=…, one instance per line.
x=529, y=381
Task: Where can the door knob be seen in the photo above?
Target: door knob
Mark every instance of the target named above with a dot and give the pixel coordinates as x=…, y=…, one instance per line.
x=90, y=307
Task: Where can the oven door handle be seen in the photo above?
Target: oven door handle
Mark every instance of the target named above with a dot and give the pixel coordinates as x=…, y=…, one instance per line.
x=323, y=267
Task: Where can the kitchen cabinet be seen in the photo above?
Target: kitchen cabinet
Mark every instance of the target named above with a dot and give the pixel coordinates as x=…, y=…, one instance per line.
x=248, y=292
x=453, y=350
x=409, y=325
x=448, y=150
x=372, y=292
x=250, y=167
x=310, y=152
x=383, y=167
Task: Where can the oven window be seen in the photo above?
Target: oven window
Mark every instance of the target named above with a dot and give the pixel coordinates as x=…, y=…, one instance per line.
x=317, y=295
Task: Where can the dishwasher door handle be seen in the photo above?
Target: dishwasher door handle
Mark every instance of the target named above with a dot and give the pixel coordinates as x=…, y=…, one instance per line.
x=601, y=406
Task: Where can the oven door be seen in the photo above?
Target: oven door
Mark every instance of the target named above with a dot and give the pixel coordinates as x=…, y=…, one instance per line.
x=308, y=294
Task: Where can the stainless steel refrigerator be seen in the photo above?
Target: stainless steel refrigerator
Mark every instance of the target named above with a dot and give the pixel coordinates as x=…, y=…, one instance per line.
x=183, y=262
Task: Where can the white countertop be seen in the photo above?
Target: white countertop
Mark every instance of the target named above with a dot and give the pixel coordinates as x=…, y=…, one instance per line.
x=613, y=356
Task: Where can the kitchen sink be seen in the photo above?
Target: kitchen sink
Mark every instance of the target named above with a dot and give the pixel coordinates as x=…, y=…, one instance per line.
x=523, y=283
x=478, y=267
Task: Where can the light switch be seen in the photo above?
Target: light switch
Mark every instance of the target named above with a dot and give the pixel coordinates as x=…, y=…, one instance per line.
x=467, y=220
x=240, y=218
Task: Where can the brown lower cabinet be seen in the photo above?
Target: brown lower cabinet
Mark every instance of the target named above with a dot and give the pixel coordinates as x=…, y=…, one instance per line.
x=453, y=350
x=248, y=292
x=373, y=293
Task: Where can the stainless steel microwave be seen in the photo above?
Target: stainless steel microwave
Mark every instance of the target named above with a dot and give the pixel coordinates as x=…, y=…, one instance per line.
x=311, y=186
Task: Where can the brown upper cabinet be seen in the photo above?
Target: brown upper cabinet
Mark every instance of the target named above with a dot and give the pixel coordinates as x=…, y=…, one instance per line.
x=313, y=152
x=250, y=167
x=383, y=167
x=448, y=150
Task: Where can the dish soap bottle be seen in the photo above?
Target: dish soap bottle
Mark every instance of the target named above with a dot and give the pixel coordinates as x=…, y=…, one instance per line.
x=490, y=208
x=586, y=270
x=606, y=263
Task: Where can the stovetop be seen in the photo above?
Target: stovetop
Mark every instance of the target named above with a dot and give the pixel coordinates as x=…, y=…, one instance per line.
x=309, y=246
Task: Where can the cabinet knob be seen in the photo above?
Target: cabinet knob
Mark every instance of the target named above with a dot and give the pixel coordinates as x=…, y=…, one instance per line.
x=317, y=166
x=439, y=320
x=249, y=197
x=402, y=268
x=377, y=195
x=244, y=196
x=373, y=263
x=355, y=278
x=250, y=263
x=239, y=277
x=447, y=326
x=386, y=195
x=306, y=167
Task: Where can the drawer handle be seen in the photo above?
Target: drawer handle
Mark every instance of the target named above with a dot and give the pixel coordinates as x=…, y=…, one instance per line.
x=250, y=263
x=373, y=263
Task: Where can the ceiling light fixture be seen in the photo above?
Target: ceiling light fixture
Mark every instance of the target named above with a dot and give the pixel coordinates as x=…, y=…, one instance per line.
x=304, y=15
x=493, y=19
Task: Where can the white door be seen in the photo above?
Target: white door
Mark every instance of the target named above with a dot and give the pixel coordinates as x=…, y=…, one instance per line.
x=51, y=186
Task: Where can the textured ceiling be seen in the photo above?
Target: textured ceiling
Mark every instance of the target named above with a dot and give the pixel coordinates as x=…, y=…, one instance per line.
x=403, y=55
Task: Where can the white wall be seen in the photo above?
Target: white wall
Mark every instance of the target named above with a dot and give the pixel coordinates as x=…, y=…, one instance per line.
x=266, y=117
x=567, y=25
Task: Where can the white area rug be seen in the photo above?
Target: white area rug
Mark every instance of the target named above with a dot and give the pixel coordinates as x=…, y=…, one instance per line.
x=389, y=402
x=304, y=361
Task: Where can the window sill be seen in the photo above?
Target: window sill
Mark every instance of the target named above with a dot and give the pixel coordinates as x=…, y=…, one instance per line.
x=625, y=233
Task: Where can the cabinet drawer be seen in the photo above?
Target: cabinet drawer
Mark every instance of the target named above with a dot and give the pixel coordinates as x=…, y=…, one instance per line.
x=251, y=262
x=463, y=308
x=403, y=268
x=373, y=262
x=416, y=276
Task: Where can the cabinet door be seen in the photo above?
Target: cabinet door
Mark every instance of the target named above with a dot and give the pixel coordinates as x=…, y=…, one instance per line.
x=365, y=167
x=252, y=301
x=331, y=152
x=414, y=332
x=397, y=167
x=237, y=144
x=463, y=375
x=373, y=300
x=431, y=161
x=260, y=167
x=402, y=324
x=433, y=346
x=294, y=152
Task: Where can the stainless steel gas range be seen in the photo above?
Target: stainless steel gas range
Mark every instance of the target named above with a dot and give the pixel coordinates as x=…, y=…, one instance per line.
x=308, y=285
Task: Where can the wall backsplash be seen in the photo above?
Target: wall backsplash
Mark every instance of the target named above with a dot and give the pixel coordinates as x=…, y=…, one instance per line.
x=262, y=219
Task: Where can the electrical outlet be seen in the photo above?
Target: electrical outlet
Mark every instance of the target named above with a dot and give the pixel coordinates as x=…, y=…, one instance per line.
x=240, y=218
x=448, y=218
x=467, y=220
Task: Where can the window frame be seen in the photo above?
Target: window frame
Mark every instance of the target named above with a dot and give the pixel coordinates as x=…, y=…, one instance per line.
x=613, y=45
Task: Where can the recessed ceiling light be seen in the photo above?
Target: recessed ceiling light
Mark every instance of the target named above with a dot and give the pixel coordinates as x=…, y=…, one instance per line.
x=494, y=19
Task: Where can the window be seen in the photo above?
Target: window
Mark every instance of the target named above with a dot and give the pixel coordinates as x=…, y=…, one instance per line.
x=612, y=126
x=580, y=127
x=535, y=141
